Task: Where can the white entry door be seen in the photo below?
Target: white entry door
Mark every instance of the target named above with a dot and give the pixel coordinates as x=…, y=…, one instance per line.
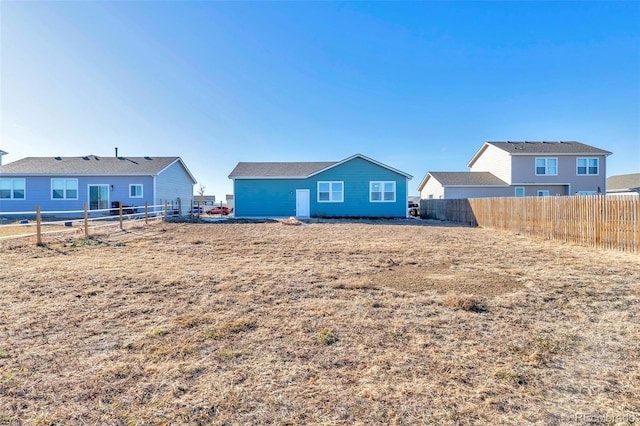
x=302, y=203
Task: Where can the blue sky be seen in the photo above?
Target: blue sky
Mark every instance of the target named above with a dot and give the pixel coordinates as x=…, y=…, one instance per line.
x=417, y=85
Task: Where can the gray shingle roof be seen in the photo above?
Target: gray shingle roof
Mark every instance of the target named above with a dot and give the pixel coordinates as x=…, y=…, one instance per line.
x=623, y=182
x=89, y=164
x=467, y=178
x=560, y=147
x=293, y=169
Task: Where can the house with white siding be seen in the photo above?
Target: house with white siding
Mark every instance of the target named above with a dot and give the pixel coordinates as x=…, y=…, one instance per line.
x=508, y=169
x=66, y=183
x=628, y=185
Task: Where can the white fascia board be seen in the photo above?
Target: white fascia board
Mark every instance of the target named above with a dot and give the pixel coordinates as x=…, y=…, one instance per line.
x=266, y=177
x=540, y=183
x=364, y=157
x=475, y=186
x=193, y=179
x=424, y=180
x=478, y=154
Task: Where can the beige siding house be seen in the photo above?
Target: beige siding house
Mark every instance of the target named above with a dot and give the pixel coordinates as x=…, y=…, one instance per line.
x=505, y=169
x=624, y=185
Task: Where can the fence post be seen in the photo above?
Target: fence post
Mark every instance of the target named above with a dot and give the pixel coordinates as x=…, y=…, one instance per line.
x=120, y=208
x=166, y=209
x=38, y=227
x=146, y=212
x=179, y=207
x=86, y=221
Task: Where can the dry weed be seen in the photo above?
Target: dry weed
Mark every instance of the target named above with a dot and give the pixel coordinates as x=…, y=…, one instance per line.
x=152, y=326
x=461, y=301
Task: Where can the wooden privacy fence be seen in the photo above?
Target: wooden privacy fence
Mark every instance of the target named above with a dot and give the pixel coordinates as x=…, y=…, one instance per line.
x=595, y=221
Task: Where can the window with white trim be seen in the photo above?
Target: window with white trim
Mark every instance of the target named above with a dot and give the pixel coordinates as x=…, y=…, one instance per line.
x=519, y=191
x=135, y=190
x=64, y=189
x=330, y=192
x=546, y=166
x=382, y=192
x=12, y=189
x=587, y=166
x=543, y=192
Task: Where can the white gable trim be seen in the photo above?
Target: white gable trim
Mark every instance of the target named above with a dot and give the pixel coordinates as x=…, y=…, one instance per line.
x=183, y=165
x=408, y=176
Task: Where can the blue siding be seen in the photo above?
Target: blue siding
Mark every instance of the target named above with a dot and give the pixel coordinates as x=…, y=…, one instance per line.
x=266, y=197
x=277, y=197
x=38, y=193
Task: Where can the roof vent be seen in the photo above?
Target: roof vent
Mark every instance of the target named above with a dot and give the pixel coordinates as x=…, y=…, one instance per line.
x=120, y=158
x=147, y=158
x=85, y=158
x=57, y=158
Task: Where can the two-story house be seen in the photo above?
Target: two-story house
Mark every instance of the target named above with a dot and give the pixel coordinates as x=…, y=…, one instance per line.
x=506, y=169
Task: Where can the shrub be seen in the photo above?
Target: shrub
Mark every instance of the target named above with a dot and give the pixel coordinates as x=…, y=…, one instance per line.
x=461, y=301
x=327, y=336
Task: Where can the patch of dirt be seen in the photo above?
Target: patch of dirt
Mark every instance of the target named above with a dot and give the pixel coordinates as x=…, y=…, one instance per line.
x=444, y=279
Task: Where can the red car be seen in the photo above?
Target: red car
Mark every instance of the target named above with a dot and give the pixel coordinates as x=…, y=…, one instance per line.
x=219, y=210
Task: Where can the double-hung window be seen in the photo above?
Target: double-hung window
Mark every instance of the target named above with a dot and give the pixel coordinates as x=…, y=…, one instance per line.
x=587, y=166
x=135, y=190
x=330, y=192
x=519, y=191
x=12, y=189
x=546, y=166
x=381, y=192
x=64, y=189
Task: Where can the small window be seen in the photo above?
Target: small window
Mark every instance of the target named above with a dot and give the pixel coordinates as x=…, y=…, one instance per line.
x=12, y=189
x=587, y=166
x=330, y=192
x=64, y=189
x=543, y=193
x=135, y=191
x=519, y=191
x=546, y=166
x=382, y=192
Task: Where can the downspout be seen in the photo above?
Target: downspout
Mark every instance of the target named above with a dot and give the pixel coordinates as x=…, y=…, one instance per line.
x=406, y=196
x=155, y=194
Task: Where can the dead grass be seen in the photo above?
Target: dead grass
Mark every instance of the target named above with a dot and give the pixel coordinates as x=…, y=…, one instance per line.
x=327, y=323
x=465, y=302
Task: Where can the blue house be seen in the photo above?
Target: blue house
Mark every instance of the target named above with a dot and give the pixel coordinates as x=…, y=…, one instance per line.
x=354, y=187
x=66, y=183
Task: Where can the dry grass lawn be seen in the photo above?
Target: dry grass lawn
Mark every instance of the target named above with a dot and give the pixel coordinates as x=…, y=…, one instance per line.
x=325, y=323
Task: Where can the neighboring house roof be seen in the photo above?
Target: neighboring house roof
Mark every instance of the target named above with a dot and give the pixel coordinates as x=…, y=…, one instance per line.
x=534, y=148
x=624, y=183
x=295, y=170
x=278, y=170
x=463, y=179
x=92, y=165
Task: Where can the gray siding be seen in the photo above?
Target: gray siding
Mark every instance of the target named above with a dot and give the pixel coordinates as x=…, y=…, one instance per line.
x=524, y=172
x=38, y=193
x=173, y=184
